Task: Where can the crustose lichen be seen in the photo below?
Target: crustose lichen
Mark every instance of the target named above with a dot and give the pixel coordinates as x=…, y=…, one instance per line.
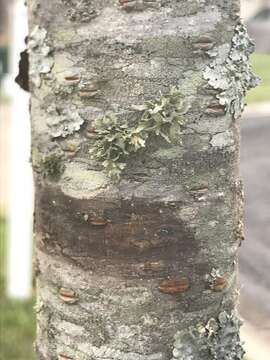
x=116, y=139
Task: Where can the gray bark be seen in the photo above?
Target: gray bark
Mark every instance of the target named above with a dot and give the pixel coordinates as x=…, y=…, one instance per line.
x=143, y=267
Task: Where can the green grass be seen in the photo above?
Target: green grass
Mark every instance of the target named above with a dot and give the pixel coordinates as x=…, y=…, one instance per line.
x=17, y=322
x=261, y=66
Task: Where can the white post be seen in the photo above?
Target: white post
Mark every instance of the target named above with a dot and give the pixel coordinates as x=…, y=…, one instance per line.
x=19, y=259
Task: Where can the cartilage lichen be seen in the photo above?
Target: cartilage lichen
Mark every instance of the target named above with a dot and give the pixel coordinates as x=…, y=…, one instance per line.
x=218, y=340
x=116, y=140
x=233, y=77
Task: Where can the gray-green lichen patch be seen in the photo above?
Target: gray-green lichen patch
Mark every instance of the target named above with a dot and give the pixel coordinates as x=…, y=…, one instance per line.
x=79, y=182
x=41, y=59
x=232, y=76
x=67, y=36
x=62, y=64
x=223, y=337
x=223, y=140
x=218, y=340
x=63, y=121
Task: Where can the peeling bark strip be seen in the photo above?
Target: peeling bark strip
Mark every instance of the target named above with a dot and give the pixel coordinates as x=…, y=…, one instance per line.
x=143, y=268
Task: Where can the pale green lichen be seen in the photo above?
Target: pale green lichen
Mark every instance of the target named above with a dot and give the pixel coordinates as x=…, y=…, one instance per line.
x=232, y=76
x=223, y=140
x=217, y=340
x=80, y=182
x=63, y=121
x=116, y=140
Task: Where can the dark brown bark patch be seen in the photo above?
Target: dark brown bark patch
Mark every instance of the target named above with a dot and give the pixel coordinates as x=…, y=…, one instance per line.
x=142, y=238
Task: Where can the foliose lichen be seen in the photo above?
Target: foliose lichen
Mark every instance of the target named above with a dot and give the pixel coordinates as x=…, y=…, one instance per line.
x=42, y=61
x=116, y=139
x=217, y=340
x=63, y=121
x=232, y=76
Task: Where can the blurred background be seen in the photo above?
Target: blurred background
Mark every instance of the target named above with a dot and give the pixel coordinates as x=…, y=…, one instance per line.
x=17, y=324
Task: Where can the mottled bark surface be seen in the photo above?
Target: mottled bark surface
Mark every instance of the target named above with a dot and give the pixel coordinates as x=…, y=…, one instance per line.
x=126, y=268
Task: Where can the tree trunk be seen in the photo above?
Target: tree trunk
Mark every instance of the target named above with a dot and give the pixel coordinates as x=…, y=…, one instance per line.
x=135, y=120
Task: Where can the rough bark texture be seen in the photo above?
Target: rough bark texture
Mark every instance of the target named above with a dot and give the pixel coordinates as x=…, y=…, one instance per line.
x=143, y=268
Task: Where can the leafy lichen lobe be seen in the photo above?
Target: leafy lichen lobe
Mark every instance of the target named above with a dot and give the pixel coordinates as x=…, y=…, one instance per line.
x=230, y=72
x=116, y=139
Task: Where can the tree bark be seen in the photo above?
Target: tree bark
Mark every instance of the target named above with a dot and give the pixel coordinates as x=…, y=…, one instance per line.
x=142, y=265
